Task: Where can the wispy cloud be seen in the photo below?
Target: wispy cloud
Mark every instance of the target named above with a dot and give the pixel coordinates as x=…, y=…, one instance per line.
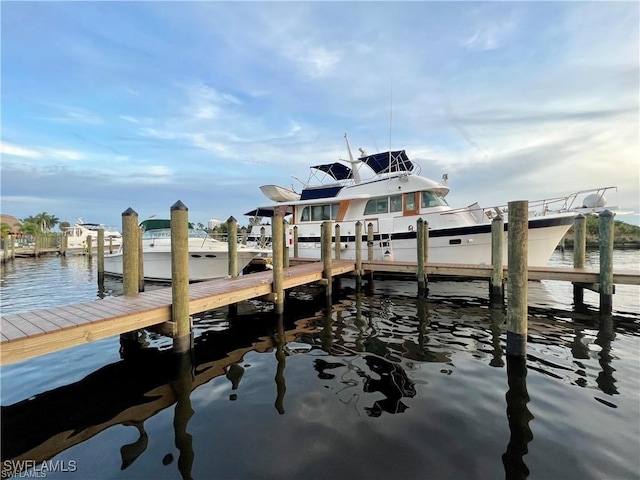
x=18, y=151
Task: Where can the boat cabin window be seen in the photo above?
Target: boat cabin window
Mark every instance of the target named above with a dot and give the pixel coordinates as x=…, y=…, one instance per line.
x=377, y=205
x=395, y=203
x=318, y=213
x=431, y=199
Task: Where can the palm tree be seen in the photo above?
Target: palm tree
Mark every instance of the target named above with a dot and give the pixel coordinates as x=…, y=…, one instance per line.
x=5, y=229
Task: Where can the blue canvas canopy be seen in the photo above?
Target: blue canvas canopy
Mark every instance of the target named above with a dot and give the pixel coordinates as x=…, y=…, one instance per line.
x=338, y=171
x=388, y=162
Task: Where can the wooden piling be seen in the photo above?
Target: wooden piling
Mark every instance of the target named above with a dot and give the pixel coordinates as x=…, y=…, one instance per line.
x=420, y=256
x=100, y=257
x=263, y=240
x=370, y=242
x=90, y=246
x=326, y=255
x=605, y=241
x=36, y=246
x=358, y=241
x=295, y=241
x=425, y=239
x=579, y=255
x=337, y=243
x=278, y=262
x=232, y=253
x=139, y=232
x=5, y=249
x=232, y=241
x=183, y=338
x=64, y=244
x=13, y=247
x=518, y=236
x=130, y=252
x=110, y=244
x=285, y=244
x=496, y=284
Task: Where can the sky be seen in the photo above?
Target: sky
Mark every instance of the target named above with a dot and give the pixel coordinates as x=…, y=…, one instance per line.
x=114, y=105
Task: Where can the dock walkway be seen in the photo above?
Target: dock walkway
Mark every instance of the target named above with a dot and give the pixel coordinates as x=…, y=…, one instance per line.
x=30, y=334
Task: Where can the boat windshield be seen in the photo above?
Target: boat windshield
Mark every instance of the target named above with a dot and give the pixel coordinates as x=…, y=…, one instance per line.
x=166, y=233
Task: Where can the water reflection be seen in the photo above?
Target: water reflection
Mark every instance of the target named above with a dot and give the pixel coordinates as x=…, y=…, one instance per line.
x=385, y=377
x=519, y=417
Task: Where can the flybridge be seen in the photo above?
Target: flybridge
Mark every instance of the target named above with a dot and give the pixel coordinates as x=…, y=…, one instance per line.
x=379, y=163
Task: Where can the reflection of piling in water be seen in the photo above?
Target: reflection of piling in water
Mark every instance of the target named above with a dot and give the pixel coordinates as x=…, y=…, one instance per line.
x=132, y=451
x=497, y=320
x=606, y=334
x=182, y=386
x=519, y=417
x=281, y=385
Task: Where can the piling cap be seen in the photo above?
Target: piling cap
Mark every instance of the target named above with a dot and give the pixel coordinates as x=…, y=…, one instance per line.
x=178, y=206
x=580, y=216
x=231, y=219
x=129, y=212
x=606, y=213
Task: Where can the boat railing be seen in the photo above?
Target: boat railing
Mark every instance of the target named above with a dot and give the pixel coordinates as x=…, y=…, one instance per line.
x=541, y=207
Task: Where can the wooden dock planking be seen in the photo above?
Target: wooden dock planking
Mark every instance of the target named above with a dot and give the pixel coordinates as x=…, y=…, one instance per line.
x=48, y=330
x=26, y=335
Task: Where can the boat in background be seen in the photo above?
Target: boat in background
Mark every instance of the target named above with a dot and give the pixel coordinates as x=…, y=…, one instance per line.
x=78, y=233
x=208, y=257
x=385, y=190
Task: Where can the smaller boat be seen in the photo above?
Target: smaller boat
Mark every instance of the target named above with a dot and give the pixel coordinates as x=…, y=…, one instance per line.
x=78, y=233
x=208, y=257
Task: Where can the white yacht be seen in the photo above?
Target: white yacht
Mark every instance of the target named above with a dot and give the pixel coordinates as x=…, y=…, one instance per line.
x=208, y=257
x=78, y=233
x=387, y=191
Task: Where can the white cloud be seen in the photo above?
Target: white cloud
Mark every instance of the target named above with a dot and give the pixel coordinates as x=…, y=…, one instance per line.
x=18, y=151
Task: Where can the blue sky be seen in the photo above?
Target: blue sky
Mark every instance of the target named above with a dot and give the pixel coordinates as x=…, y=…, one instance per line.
x=111, y=105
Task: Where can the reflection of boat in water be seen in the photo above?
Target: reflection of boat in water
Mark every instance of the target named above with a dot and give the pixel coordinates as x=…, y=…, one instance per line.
x=386, y=377
x=208, y=257
x=385, y=190
x=78, y=233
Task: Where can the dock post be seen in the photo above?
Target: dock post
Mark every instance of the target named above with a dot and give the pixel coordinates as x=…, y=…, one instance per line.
x=579, y=254
x=326, y=255
x=232, y=241
x=183, y=339
x=420, y=256
x=129, y=252
x=496, y=285
x=337, y=244
x=358, y=241
x=243, y=232
x=518, y=250
x=90, y=246
x=295, y=242
x=278, y=262
x=263, y=240
x=285, y=245
x=36, y=246
x=110, y=244
x=5, y=249
x=139, y=233
x=425, y=239
x=100, y=257
x=605, y=241
x=64, y=244
x=13, y=247
x=370, y=242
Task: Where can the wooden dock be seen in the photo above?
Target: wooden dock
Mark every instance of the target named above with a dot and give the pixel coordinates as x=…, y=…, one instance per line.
x=30, y=334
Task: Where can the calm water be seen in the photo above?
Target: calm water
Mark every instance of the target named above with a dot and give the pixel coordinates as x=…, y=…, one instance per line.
x=382, y=386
